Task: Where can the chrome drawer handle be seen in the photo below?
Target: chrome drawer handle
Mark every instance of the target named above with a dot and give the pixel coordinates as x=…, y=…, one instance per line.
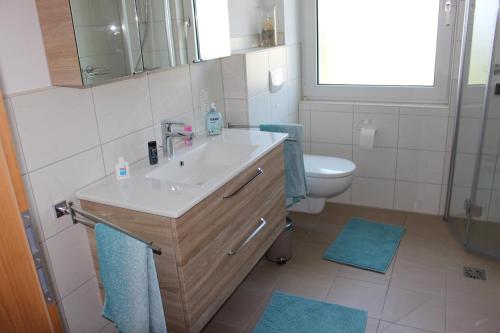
x=262, y=224
x=259, y=172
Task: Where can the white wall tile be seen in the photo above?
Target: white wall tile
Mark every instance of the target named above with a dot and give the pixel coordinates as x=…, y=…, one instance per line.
x=71, y=258
x=373, y=192
x=59, y=181
x=376, y=163
x=259, y=109
x=331, y=127
x=492, y=137
x=306, y=146
x=170, y=93
x=494, y=212
x=468, y=138
x=344, y=198
x=83, y=309
x=305, y=120
x=417, y=197
x=496, y=184
x=293, y=61
x=277, y=60
x=487, y=171
x=279, y=106
x=132, y=147
x=294, y=96
x=54, y=124
x=257, y=69
x=422, y=132
x=464, y=169
x=376, y=108
x=420, y=166
x=122, y=107
x=236, y=111
x=206, y=75
x=233, y=76
x=332, y=149
x=15, y=136
x=443, y=111
x=331, y=106
x=386, y=125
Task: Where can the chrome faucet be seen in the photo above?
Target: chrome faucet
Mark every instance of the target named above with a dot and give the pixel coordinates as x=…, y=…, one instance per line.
x=168, y=135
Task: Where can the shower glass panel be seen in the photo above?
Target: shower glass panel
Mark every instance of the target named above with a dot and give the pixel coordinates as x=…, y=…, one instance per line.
x=473, y=206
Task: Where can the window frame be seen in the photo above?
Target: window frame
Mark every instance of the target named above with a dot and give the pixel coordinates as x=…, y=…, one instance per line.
x=438, y=93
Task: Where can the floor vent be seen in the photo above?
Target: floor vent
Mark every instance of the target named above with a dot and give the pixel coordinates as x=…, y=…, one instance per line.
x=475, y=273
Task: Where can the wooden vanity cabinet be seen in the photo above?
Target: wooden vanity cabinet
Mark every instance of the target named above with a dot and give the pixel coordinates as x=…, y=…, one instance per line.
x=208, y=251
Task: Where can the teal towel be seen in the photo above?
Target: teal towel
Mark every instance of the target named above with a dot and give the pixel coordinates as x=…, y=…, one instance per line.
x=127, y=270
x=295, y=174
x=293, y=314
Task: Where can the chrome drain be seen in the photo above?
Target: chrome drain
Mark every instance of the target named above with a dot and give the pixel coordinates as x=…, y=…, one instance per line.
x=475, y=273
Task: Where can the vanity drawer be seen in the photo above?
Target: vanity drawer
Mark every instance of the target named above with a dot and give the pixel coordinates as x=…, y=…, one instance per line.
x=211, y=277
x=230, y=206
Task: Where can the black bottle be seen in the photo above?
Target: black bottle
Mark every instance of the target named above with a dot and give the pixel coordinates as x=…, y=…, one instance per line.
x=153, y=153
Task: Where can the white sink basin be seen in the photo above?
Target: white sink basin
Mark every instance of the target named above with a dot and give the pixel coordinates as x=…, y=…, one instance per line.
x=198, y=166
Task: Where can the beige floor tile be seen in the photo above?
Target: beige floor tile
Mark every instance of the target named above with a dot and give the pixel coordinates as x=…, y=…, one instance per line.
x=241, y=306
x=310, y=259
x=371, y=325
x=419, y=278
x=305, y=284
x=413, y=309
x=323, y=234
x=358, y=294
x=386, y=327
x=421, y=255
x=350, y=272
x=380, y=215
x=471, y=314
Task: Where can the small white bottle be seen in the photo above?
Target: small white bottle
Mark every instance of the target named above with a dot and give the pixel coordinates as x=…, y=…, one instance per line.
x=122, y=169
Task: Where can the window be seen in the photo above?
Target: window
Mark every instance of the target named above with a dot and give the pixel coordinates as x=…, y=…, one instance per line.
x=385, y=50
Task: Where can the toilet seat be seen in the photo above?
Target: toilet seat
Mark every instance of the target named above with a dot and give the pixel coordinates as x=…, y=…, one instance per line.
x=327, y=167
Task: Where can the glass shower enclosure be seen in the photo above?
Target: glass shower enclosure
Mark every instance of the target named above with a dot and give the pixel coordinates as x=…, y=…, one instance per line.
x=473, y=198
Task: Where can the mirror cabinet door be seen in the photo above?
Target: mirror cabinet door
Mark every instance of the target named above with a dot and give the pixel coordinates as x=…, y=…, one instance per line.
x=209, y=37
x=117, y=38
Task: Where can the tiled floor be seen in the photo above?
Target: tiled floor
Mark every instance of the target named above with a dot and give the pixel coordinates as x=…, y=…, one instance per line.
x=423, y=290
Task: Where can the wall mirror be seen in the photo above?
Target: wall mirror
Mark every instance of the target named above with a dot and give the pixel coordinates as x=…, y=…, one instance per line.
x=88, y=42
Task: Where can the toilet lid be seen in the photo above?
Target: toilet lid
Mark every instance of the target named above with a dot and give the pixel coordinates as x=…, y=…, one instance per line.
x=327, y=167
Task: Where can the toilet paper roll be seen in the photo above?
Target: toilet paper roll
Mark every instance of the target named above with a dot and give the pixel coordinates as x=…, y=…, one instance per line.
x=367, y=138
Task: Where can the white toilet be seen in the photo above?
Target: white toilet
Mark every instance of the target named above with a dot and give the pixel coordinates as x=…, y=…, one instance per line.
x=326, y=178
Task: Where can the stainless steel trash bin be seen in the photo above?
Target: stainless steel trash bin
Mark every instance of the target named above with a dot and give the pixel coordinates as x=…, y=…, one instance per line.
x=281, y=250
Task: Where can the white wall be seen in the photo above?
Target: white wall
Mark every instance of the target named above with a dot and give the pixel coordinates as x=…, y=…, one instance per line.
x=23, y=65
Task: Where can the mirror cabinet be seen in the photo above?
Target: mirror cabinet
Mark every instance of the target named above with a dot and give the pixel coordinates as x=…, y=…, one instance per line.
x=88, y=42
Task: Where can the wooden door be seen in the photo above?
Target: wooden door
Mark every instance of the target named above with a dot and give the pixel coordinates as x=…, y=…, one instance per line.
x=22, y=305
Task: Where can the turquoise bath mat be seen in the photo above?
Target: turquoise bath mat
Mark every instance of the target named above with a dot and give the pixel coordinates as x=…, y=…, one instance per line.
x=366, y=244
x=293, y=314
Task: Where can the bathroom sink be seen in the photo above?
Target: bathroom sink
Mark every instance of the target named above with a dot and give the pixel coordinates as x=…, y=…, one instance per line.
x=201, y=164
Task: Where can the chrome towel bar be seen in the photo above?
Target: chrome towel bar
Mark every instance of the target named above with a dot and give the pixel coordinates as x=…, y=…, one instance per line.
x=89, y=220
x=229, y=125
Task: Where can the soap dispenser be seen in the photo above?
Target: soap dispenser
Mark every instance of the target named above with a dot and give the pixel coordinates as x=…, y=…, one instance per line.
x=214, y=121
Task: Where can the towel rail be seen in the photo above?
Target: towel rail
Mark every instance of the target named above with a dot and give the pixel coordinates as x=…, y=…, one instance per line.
x=229, y=125
x=89, y=220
